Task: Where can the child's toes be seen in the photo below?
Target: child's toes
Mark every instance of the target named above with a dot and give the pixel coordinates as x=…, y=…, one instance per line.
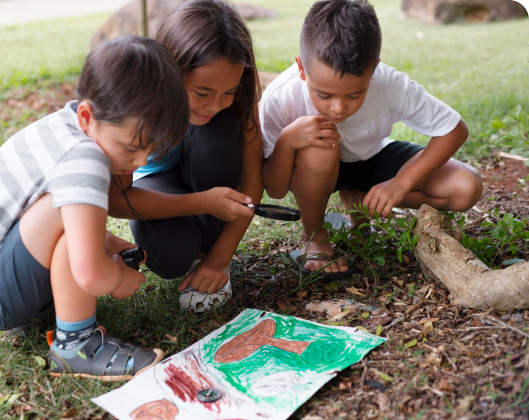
x=343, y=267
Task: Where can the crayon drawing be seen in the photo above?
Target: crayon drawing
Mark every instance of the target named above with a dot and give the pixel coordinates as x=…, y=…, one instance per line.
x=264, y=365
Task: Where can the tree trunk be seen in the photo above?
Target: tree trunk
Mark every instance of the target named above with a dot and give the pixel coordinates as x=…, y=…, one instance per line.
x=470, y=281
x=144, y=19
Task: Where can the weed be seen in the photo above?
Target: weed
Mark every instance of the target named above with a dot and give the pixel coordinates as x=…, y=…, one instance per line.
x=514, y=130
x=373, y=246
x=498, y=239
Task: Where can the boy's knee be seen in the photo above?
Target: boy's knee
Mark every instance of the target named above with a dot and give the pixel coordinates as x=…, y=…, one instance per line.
x=467, y=189
x=318, y=160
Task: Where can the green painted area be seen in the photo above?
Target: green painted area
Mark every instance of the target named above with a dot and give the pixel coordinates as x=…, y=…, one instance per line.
x=279, y=378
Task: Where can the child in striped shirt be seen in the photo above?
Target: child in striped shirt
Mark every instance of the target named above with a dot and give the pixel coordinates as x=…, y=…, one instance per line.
x=54, y=181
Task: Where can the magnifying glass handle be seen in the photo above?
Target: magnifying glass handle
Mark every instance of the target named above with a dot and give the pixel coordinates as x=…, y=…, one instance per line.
x=251, y=206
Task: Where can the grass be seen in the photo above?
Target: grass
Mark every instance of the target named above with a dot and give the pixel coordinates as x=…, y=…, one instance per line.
x=480, y=70
x=45, y=50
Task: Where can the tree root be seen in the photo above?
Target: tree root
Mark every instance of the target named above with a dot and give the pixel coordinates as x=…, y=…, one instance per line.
x=471, y=283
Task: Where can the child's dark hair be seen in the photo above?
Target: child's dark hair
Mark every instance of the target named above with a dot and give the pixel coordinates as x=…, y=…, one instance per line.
x=202, y=31
x=344, y=34
x=137, y=77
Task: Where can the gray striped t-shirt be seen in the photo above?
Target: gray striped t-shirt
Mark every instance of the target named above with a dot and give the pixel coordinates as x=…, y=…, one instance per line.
x=52, y=155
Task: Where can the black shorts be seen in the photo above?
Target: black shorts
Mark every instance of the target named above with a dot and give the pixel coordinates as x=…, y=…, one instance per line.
x=25, y=285
x=364, y=174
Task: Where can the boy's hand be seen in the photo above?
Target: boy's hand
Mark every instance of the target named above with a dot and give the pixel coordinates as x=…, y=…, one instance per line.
x=206, y=277
x=311, y=131
x=383, y=197
x=115, y=245
x=225, y=204
x=132, y=279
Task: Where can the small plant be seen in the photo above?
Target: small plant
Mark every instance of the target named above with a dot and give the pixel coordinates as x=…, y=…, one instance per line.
x=372, y=246
x=499, y=239
x=516, y=140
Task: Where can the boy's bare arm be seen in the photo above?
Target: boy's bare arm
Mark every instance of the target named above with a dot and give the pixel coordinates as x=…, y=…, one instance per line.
x=94, y=271
x=383, y=197
x=303, y=132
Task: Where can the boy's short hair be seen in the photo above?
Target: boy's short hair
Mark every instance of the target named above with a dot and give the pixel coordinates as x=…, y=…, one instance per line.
x=137, y=77
x=344, y=34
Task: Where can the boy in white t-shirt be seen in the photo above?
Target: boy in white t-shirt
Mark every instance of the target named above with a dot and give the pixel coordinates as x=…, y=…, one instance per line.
x=326, y=121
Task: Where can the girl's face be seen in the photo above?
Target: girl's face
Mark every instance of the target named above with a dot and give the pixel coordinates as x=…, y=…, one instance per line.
x=211, y=88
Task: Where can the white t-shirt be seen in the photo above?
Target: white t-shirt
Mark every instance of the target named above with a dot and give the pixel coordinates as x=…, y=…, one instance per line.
x=52, y=155
x=391, y=97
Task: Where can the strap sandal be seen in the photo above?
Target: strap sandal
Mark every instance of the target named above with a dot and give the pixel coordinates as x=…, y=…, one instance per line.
x=105, y=358
x=298, y=258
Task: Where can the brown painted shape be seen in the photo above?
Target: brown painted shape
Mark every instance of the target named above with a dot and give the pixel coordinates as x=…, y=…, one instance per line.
x=155, y=410
x=261, y=335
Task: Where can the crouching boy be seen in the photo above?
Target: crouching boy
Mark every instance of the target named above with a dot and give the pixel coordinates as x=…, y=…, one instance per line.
x=326, y=123
x=54, y=181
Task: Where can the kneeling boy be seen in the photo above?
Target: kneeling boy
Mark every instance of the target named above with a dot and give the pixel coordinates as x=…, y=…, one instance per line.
x=326, y=122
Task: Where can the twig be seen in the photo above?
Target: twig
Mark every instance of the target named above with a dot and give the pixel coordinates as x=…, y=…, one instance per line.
x=513, y=157
x=363, y=378
x=485, y=415
x=519, y=331
x=394, y=322
x=449, y=360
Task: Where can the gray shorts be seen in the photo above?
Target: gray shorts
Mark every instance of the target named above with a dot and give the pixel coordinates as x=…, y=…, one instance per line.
x=25, y=285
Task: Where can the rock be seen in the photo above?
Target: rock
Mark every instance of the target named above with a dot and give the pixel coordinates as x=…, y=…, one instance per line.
x=126, y=21
x=449, y=11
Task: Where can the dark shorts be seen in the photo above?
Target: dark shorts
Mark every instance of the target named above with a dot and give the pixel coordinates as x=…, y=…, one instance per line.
x=25, y=285
x=365, y=174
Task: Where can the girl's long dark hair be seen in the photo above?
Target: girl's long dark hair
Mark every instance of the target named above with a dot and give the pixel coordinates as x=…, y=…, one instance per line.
x=200, y=32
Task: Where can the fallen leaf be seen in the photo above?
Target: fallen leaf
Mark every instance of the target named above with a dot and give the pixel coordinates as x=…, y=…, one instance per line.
x=354, y=291
x=302, y=294
x=379, y=329
x=405, y=258
x=72, y=412
x=427, y=328
x=281, y=305
x=40, y=361
x=337, y=317
x=383, y=376
x=171, y=338
x=345, y=384
x=383, y=320
x=363, y=329
x=413, y=308
x=411, y=343
x=445, y=386
x=383, y=402
x=365, y=315
x=422, y=321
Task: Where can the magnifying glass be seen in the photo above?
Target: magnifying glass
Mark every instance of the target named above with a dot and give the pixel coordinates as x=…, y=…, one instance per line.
x=133, y=257
x=271, y=211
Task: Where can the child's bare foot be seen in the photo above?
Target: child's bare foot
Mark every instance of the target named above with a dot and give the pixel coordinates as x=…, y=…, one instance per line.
x=320, y=245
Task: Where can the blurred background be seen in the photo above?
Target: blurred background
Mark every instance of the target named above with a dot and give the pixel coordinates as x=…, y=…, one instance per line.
x=478, y=68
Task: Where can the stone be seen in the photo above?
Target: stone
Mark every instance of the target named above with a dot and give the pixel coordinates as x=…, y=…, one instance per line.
x=126, y=21
x=450, y=11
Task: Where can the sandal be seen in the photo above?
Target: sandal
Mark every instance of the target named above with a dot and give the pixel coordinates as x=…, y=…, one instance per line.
x=192, y=299
x=300, y=259
x=105, y=358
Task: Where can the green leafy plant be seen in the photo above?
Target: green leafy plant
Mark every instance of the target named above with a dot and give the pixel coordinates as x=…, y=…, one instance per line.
x=499, y=239
x=371, y=247
x=514, y=129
